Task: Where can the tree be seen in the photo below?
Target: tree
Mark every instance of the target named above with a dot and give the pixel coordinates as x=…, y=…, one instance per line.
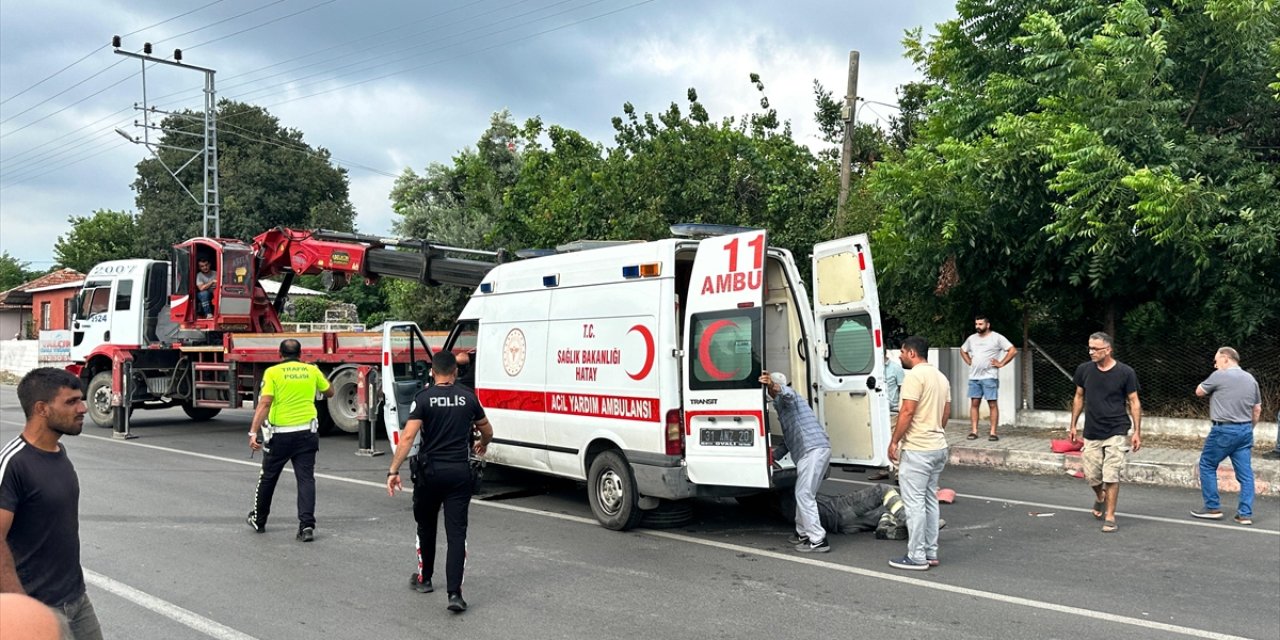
x=268, y=177
x=106, y=235
x=1094, y=163
x=13, y=272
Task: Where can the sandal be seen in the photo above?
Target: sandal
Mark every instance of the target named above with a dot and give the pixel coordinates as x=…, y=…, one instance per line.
x=993, y=437
x=1098, y=510
x=972, y=436
x=1109, y=526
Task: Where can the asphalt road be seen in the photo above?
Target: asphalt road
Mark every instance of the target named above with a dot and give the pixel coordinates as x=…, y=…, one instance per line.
x=168, y=556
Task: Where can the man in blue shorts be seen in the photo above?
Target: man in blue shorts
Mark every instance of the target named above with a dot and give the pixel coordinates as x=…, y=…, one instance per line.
x=985, y=352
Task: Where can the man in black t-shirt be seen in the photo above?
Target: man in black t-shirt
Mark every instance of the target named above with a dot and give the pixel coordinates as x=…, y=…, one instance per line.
x=1107, y=392
x=40, y=502
x=446, y=414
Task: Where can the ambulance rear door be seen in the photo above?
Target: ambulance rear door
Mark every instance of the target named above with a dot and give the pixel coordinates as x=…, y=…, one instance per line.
x=406, y=370
x=725, y=429
x=852, y=404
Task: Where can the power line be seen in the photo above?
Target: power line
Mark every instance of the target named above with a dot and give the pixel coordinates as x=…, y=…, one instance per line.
x=304, y=149
x=238, y=15
x=100, y=72
x=259, y=26
x=46, y=117
x=86, y=56
x=94, y=155
x=14, y=158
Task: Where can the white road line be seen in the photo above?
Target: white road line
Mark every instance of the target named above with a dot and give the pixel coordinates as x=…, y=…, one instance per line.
x=879, y=575
x=1183, y=521
x=167, y=609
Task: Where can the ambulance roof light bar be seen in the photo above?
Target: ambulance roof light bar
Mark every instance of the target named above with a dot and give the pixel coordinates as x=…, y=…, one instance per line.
x=701, y=230
x=587, y=245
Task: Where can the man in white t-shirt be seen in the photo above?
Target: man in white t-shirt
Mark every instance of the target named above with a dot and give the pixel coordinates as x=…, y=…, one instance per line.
x=985, y=352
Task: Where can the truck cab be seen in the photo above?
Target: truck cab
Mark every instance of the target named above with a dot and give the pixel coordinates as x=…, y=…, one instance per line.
x=123, y=302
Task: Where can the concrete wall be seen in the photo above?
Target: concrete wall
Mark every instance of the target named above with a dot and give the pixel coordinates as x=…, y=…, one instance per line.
x=1264, y=432
x=950, y=363
x=19, y=356
x=11, y=322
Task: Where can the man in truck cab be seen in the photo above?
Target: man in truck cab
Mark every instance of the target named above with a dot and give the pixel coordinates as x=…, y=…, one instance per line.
x=206, y=282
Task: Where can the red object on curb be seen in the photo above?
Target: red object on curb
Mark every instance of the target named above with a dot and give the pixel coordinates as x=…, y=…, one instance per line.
x=1065, y=446
x=946, y=496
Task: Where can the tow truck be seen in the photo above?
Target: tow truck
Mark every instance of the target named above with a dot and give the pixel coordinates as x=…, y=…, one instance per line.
x=139, y=340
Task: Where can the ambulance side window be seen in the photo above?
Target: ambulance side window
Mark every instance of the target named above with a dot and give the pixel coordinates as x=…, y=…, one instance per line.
x=726, y=348
x=852, y=347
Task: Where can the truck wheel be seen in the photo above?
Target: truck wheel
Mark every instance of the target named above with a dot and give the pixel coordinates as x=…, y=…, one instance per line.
x=200, y=414
x=98, y=398
x=344, y=403
x=323, y=420
x=611, y=490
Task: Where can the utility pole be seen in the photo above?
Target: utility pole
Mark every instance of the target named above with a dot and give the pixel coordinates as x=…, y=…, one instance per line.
x=209, y=202
x=850, y=116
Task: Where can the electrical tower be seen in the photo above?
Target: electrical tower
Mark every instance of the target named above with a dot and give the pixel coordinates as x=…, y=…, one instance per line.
x=209, y=202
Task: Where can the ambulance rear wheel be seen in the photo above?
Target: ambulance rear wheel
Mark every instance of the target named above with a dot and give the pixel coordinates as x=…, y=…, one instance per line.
x=611, y=490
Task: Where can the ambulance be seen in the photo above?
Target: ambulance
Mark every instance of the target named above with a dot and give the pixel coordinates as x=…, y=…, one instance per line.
x=634, y=366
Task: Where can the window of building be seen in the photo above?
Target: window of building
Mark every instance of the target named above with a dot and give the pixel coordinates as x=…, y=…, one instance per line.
x=45, y=313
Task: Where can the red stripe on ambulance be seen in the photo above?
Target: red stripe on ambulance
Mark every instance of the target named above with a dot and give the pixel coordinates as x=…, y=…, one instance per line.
x=573, y=404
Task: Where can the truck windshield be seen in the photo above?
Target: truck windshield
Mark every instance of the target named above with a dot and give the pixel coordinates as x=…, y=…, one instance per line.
x=95, y=298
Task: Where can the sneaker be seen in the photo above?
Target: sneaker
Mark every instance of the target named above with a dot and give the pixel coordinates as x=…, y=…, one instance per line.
x=933, y=562
x=821, y=546
x=798, y=539
x=456, y=603
x=420, y=584
x=1244, y=520
x=1207, y=514
x=253, y=524
x=307, y=534
x=908, y=564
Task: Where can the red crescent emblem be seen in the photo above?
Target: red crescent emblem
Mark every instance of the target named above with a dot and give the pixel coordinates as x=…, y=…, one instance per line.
x=648, y=352
x=704, y=351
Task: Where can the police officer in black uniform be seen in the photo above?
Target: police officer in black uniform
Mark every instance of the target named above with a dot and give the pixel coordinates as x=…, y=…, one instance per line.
x=446, y=414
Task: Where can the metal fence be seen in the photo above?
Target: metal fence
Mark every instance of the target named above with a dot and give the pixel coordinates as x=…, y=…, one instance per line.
x=1167, y=375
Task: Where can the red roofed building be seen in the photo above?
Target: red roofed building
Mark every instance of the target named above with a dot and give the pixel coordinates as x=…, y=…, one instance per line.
x=45, y=301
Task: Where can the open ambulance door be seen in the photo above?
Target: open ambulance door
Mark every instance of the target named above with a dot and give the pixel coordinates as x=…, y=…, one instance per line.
x=852, y=404
x=726, y=441
x=406, y=370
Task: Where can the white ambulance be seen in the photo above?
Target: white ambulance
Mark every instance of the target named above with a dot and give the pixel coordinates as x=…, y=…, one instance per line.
x=634, y=366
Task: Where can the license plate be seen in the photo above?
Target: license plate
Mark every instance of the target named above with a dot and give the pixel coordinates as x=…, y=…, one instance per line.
x=727, y=437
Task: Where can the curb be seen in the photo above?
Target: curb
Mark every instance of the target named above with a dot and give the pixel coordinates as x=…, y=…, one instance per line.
x=1168, y=474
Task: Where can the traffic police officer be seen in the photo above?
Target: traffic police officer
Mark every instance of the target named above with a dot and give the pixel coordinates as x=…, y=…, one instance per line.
x=286, y=416
x=446, y=414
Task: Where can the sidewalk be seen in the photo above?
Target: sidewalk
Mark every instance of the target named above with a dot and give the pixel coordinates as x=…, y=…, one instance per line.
x=1165, y=461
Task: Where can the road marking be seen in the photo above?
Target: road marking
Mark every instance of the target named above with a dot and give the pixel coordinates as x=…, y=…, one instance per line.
x=1188, y=522
x=167, y=609
x=879, y=575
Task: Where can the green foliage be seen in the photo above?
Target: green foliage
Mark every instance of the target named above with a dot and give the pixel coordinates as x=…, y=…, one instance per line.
x=307, y=309
x=13, y=272
x=268, y=177
x=106, y=235
x=1091, y=164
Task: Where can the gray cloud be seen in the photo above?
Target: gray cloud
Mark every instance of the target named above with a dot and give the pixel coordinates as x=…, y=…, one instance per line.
x=578, y=76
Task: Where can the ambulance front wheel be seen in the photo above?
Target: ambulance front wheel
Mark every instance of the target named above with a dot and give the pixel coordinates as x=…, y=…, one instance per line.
x=611, y=489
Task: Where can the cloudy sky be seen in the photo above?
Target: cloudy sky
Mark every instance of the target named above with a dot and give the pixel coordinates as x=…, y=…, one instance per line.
x=388, y=84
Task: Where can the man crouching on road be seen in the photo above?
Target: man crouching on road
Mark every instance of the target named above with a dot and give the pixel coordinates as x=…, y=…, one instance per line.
x=810, y=447
x=926, y=404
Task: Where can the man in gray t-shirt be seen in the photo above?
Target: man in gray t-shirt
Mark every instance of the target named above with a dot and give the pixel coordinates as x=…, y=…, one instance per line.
x=985, y=352
x=1235, y=405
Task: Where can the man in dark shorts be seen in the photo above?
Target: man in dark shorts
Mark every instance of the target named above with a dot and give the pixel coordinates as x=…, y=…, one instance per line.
x=1107, y=393
x=447, y=414
x=40, y=502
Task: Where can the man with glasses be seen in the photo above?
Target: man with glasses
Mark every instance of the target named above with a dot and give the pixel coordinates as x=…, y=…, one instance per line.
x=1235, y=406
x=1107, y=393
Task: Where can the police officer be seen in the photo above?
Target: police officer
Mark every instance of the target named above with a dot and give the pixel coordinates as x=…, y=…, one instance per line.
x=286, y=416
x=446, y=414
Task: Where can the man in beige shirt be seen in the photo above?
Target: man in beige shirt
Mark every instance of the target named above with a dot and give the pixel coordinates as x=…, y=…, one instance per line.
x=919, y=446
